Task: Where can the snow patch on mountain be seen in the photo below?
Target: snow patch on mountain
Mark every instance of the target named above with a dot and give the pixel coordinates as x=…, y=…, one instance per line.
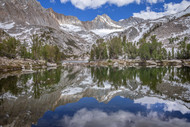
x=72, y=91
x=144, y=28
x=121, y=20
x=70, y=28
x=79, y=31
x=7, y=25
x=103, y=32
x=182, y=13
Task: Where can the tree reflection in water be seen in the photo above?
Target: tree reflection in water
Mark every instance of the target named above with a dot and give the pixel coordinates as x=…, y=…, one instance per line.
x=147, y=76
x=39, y=82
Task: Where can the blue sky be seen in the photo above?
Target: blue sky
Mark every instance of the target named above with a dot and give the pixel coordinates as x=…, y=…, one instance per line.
x=87, y=10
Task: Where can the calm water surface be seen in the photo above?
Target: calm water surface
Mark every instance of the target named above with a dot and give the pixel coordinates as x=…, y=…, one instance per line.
x=76, y=96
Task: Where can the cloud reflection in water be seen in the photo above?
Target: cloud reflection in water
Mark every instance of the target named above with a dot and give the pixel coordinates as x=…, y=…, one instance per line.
x=98, y=118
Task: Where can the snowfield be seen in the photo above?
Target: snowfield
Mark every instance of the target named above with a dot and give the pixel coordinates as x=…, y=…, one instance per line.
x=70, y=28
x=7, y=26
x=104, y=32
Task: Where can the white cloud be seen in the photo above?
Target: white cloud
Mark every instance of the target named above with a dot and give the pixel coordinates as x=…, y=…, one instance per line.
x=64, y=1
x=154, y=1
x=168, y=105
x=83, y=4
x=97, y=118
x=170, y=8
x=52, y=1
x=93, y=4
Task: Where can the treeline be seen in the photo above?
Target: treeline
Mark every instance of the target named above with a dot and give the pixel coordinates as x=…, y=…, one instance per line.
x=146, y=50
x=40, y=50
x=12, y=48
x=124, y=77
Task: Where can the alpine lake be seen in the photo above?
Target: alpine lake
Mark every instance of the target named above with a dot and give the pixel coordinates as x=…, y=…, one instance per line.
x=84, y=96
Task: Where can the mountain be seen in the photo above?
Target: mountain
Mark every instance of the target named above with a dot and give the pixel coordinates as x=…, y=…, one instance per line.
x=101, y=22
x=175, y=26
x=130, y=21
x=23, y=18
x=25, y=12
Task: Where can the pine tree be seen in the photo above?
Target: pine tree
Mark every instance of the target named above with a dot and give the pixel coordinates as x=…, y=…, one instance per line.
x=169, y=55
x=173, y=53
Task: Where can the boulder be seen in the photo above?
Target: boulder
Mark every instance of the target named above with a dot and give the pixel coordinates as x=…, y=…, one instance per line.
x=51, y=64
x=151, y=62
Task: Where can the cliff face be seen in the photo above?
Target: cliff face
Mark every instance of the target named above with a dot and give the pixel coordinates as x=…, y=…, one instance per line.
x=26, y=12
x=62, y=19
x=101, y=22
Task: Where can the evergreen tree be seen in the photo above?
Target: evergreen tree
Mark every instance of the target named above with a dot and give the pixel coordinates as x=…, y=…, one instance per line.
x=115, y=47
x=144, y=51
x=184, y=49
x=131, y=50
x=8, y=47
x=169, y=55
x=173, y=55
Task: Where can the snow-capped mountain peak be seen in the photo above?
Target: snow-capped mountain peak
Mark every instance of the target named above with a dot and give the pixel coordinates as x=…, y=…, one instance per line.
x=107, y=20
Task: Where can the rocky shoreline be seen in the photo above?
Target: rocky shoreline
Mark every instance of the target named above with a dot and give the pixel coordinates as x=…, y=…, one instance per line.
x=7, y=65
x=135, y=62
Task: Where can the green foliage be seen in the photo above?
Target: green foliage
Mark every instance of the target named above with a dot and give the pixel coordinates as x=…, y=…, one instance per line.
x=184, y=48
x=43, y=82
x=124, y=44
x=118, y=46
x=163, y=54
x=36, y=47
x=152, y=50
x=131, y=50
x=173, y=55
x=51, y=53
x=99, y=52
x=12, y=48
x=169, y=55
x=8, y=47
x=47, y=52
x=115, y=48
x=23, y=51
x=109, y=61
x=147, y=50
x=144, y=51
x=92, y=54
x=172, y=40
x=120, y=77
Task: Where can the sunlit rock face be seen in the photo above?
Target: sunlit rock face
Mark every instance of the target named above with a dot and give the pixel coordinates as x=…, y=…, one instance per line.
x=27, y=12
x=26, y=97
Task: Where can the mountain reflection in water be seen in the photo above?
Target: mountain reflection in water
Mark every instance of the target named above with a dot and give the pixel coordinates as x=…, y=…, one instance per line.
x=79, y=96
